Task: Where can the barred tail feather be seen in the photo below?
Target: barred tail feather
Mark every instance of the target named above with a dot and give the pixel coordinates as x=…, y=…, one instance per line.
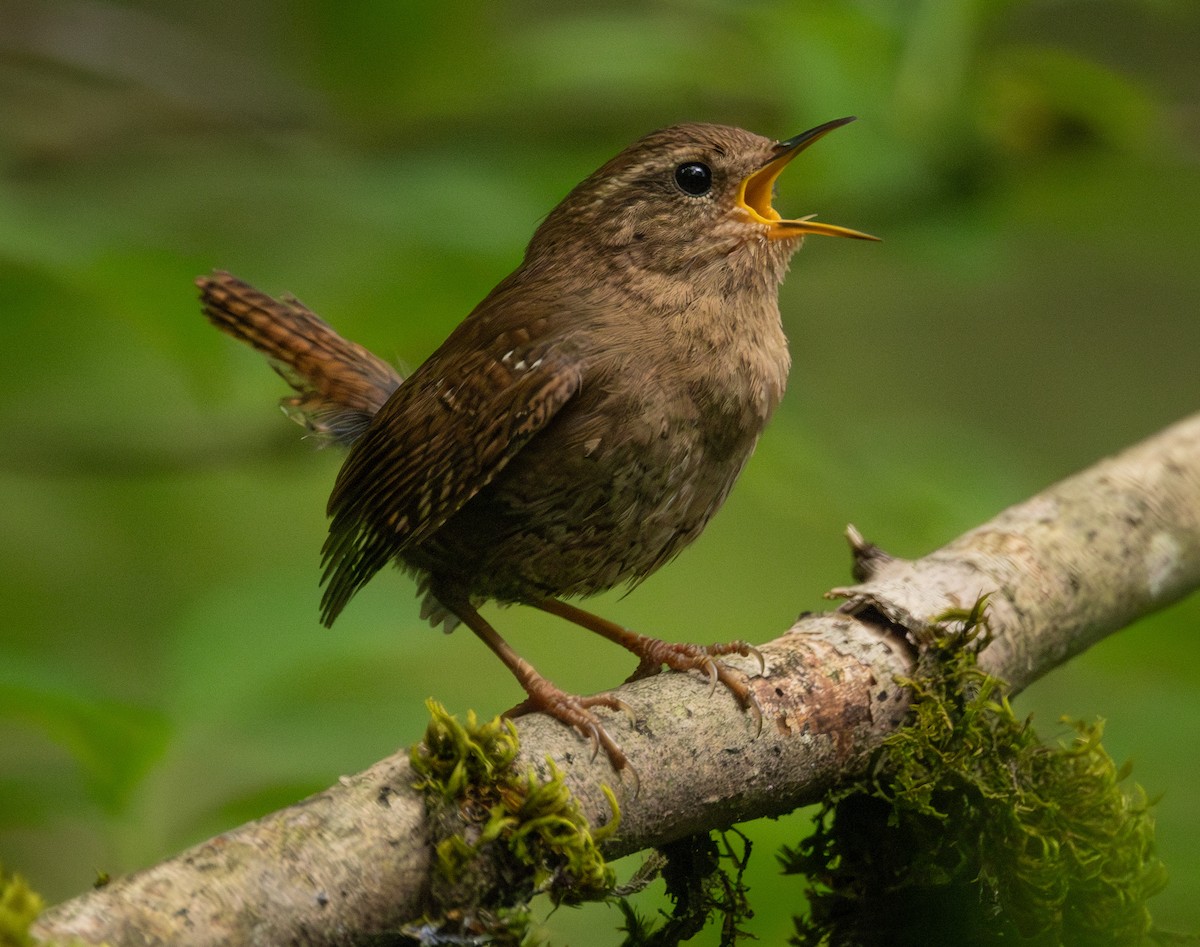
x=339, y=384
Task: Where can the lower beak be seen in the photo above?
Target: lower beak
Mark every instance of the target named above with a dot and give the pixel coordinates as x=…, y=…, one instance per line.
x=755, y=193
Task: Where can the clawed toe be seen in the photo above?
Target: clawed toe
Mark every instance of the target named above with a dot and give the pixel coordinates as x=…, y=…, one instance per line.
x=755, y=711
x=742, y=648
x=654, y=653
x=705, y=658
x=575, y=712
x=614, y=703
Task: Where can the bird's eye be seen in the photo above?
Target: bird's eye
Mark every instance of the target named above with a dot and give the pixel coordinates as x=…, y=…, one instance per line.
x=694, y=177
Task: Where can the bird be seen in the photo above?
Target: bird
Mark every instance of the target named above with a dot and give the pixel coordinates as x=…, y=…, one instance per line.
x=582, y=424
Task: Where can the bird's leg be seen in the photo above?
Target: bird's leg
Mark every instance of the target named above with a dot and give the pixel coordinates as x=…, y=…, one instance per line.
x=544, y=696
x=654, y=653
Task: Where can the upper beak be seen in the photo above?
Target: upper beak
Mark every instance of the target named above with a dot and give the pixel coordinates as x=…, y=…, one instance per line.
x=754, y=195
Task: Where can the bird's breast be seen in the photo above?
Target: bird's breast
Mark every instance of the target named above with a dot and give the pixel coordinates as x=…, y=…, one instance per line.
x=631, y=469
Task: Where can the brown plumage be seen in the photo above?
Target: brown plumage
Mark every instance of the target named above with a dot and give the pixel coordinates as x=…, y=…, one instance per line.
x=339, y=385
x=584, y=422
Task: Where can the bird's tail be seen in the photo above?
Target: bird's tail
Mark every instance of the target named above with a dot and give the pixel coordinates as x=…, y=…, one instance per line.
x=339, y=384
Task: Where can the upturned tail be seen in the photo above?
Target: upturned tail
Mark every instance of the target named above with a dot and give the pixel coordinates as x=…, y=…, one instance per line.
x=339, y=384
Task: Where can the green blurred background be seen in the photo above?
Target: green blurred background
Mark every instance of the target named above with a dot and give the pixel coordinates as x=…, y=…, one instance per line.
x=1032, y=165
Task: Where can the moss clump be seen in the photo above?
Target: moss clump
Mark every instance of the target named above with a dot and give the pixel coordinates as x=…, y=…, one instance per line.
x=502, y=836
x=19, y=907
x=971, y=830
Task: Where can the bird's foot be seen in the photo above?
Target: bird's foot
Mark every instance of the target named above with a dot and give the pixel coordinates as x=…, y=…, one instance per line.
x=575, y=712
x=655, y=654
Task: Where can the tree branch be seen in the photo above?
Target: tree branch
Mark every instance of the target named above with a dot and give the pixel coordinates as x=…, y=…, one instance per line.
x=1062, y=570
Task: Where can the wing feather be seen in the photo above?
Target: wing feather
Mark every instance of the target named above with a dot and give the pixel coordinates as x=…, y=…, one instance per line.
x=435, y=444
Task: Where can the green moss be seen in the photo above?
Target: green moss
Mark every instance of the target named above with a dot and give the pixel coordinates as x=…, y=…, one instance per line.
x=501, y=836
x=454, y=757
x=970, y=830
x=20, y=906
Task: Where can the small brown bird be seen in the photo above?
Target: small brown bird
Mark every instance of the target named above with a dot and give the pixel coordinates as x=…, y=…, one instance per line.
x=583, y=423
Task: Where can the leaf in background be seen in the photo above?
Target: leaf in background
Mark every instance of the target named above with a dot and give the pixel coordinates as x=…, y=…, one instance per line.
x=114, y=743
x=1041, y=98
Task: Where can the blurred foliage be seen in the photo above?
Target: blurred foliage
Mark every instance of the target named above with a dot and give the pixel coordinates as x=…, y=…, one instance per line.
x=1032, y=165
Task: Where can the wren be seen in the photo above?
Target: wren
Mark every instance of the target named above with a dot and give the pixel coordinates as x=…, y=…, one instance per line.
x=582, y=425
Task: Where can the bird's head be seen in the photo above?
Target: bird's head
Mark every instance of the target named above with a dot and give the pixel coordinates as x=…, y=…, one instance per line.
x=682, y=198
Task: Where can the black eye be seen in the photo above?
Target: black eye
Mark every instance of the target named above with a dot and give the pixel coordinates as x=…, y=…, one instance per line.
x=694, y=178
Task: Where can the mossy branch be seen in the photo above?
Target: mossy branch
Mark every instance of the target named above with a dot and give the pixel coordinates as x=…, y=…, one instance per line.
x=967, y=828
x=1061, y=571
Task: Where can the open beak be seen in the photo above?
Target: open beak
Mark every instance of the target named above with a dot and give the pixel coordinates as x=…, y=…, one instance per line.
x=754, y=195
